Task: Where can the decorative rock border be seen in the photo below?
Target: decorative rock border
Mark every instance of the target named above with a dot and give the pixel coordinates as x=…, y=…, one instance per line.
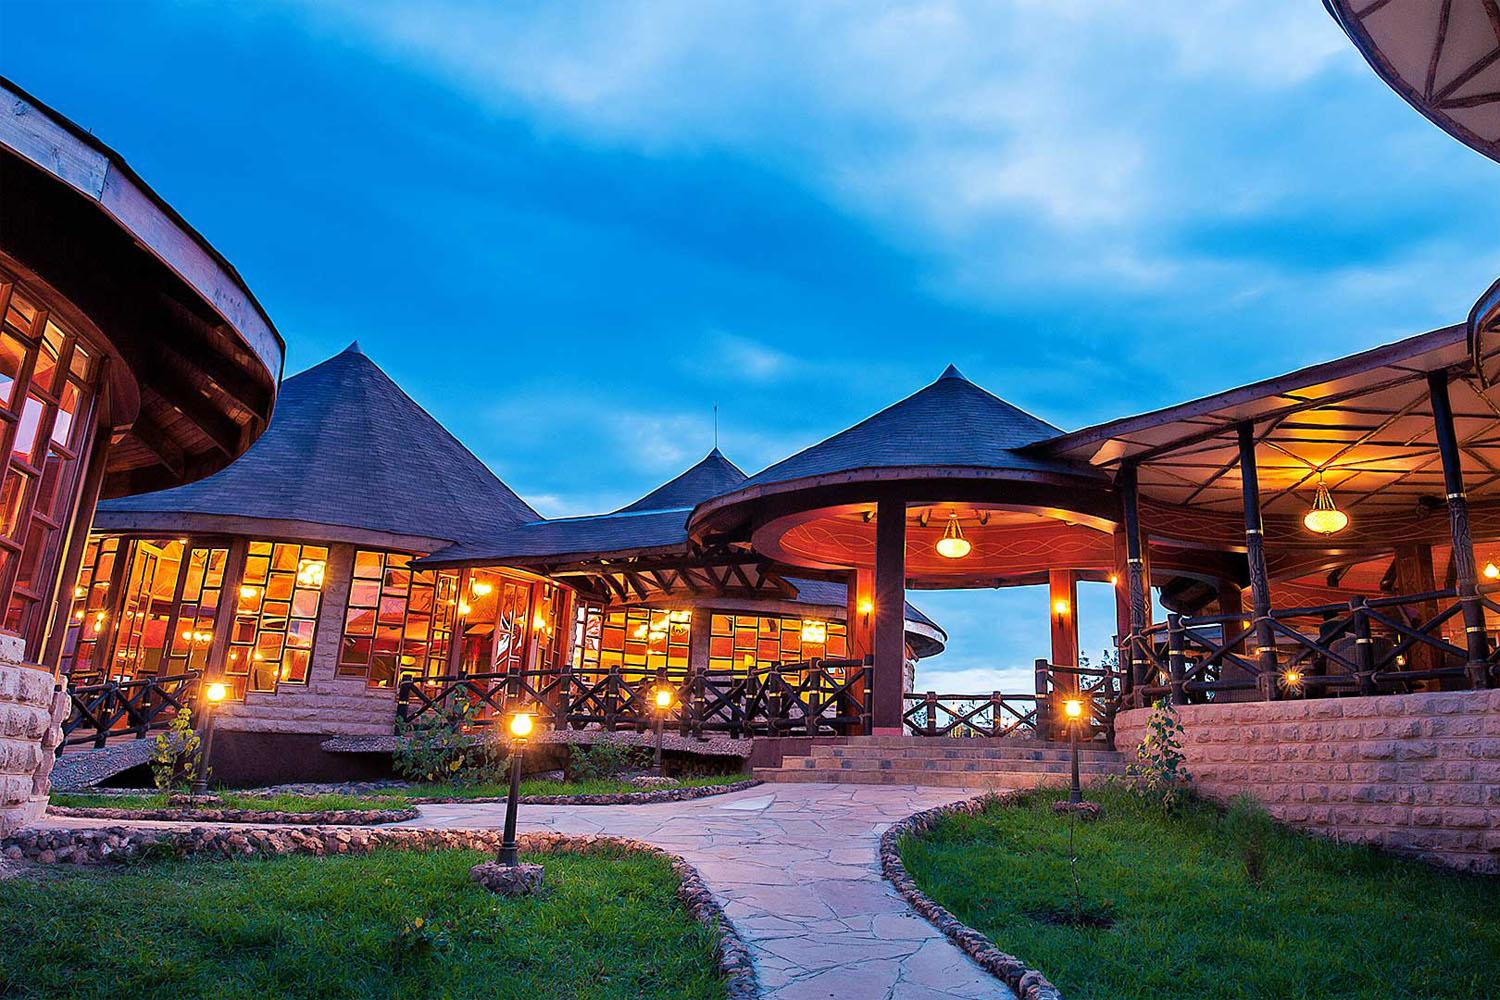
x=327, y=817
x=119, y=844
x=1028, y=983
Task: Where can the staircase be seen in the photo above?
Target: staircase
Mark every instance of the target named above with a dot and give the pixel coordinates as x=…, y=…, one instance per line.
x=948, y=763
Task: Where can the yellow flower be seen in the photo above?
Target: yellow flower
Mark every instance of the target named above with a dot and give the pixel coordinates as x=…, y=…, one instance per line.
x=417, y=923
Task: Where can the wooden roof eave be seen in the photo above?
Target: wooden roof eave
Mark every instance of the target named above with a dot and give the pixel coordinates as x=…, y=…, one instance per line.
x=721, y=513
x=1107, y=445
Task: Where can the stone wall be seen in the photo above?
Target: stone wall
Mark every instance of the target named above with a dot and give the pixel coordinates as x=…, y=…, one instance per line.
x=1417, y=774
x=31, y=714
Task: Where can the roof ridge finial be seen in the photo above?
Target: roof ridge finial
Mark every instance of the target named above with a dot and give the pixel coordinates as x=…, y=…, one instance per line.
x=952, y=372
x=353, y=348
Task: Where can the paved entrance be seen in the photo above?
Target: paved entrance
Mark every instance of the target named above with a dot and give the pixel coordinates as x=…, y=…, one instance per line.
x=796, y=868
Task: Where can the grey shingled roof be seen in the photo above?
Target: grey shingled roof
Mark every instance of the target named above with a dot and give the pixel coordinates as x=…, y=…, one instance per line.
x=346, y=446
x=951, y=423
x=656, y=520
x=715, y=474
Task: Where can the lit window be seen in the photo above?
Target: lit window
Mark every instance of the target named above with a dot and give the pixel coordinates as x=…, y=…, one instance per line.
x=398, y=622
x=738, y=643
x=46, y=404
x=639, y=641
x=275, y=617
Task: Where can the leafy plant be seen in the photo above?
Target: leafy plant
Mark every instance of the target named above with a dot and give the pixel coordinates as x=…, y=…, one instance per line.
x=419, y=938
x=175, y=759
x=1249, y=827
x=440, y=746
x=1159, y=772
x=603, y=761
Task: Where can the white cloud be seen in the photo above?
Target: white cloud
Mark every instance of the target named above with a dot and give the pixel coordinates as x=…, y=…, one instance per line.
x=944, y=123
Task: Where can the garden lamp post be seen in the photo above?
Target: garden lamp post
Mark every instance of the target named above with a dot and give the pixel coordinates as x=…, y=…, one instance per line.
x=520, y=728
x=1073, y=709
x=212, y=695
x=663, y=705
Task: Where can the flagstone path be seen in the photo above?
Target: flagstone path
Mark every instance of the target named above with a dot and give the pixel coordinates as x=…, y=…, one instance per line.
x=796, y=869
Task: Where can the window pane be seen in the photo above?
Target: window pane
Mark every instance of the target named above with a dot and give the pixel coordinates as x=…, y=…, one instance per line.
x=12, y=354
x=67, y=409
x=46, y=358
x=12, y=496
x=26, y=431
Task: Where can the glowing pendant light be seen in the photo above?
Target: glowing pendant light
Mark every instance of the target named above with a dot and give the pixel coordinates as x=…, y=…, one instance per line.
x=953, y=544
x=1325, y=518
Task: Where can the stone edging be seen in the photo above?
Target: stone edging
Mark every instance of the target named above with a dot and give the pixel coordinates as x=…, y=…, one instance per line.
x=118, y=844
x=623, y=798
x=326, y=817
x=1028, y=983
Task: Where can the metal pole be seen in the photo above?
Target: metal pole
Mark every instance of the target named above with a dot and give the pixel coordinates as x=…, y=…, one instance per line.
x=661, y=714
x=512, y=803
x=1255, y=558
x=1075, y=793
x=200, y=780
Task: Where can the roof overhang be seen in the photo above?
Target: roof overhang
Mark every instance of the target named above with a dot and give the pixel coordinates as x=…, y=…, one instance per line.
x=202, y=357
x=1441, y=56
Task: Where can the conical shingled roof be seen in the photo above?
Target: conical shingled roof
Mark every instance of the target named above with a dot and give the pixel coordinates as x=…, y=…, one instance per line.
x=950, y=423
x=710, y=477
x=346, y=447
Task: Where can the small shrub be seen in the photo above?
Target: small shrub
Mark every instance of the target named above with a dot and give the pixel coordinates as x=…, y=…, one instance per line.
x=420, y=939
x=1159, y=772
x=175, y=759
x=1249, y=828
x=440, y=747
x=603, y=761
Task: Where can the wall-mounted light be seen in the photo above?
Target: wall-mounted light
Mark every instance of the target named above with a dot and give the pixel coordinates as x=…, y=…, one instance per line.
x=481, y=588
x=1061, y=607
x=866, y=606
x=1491, y=571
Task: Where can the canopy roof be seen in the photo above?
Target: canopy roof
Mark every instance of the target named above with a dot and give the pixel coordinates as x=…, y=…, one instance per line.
x=347, y=454
x=1443, y=58
x=949, y=423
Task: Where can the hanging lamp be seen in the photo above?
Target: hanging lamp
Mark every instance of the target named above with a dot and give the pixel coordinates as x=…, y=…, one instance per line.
x=953, y=544
x=1325, y=518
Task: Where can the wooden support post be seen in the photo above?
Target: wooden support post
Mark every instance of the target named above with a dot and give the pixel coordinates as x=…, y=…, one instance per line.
x=1364, y=645
x=78, y=540
x=1475, y=640
x=1176, y=658
x=859, y=619
x=1043, y=676
x=1255, y=557
x=1414, y=575
x=890, y=617
x=1137, y=580
x=1062, y=606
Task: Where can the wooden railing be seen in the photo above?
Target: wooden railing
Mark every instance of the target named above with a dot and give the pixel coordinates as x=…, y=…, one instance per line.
x=1363, y=646
x=811, y=698
x=1037, y=715
x=120, y=708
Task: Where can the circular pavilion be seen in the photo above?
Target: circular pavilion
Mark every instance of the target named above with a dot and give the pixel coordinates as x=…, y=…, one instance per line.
x=132, y=357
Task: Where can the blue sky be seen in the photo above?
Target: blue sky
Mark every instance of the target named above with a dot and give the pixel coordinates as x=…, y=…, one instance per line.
x=569, y=230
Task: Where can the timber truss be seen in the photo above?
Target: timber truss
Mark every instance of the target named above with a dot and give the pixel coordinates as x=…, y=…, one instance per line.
x=713, y=571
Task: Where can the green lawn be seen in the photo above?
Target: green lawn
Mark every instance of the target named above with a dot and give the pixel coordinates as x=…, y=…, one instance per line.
x=608, y=926
x=385, y=798
x=1327, y=920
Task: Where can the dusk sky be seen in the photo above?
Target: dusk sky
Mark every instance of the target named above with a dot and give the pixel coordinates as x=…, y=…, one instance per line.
x=570, y=230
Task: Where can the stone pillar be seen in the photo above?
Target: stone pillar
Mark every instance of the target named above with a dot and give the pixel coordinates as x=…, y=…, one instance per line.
x=890, y=617
x=32, y=707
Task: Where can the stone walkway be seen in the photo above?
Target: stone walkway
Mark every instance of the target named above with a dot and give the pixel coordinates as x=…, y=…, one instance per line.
x=796, y=868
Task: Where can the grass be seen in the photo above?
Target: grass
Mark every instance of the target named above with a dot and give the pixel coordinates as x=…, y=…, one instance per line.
x=1326, y=921
x=384, y=798
x=607, y=926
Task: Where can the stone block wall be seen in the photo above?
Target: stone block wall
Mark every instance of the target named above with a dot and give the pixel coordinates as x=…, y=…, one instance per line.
x=31, y=715
x=1416, y=774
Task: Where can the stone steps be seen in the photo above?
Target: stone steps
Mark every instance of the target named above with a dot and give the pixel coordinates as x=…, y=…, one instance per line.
x=898, y=760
